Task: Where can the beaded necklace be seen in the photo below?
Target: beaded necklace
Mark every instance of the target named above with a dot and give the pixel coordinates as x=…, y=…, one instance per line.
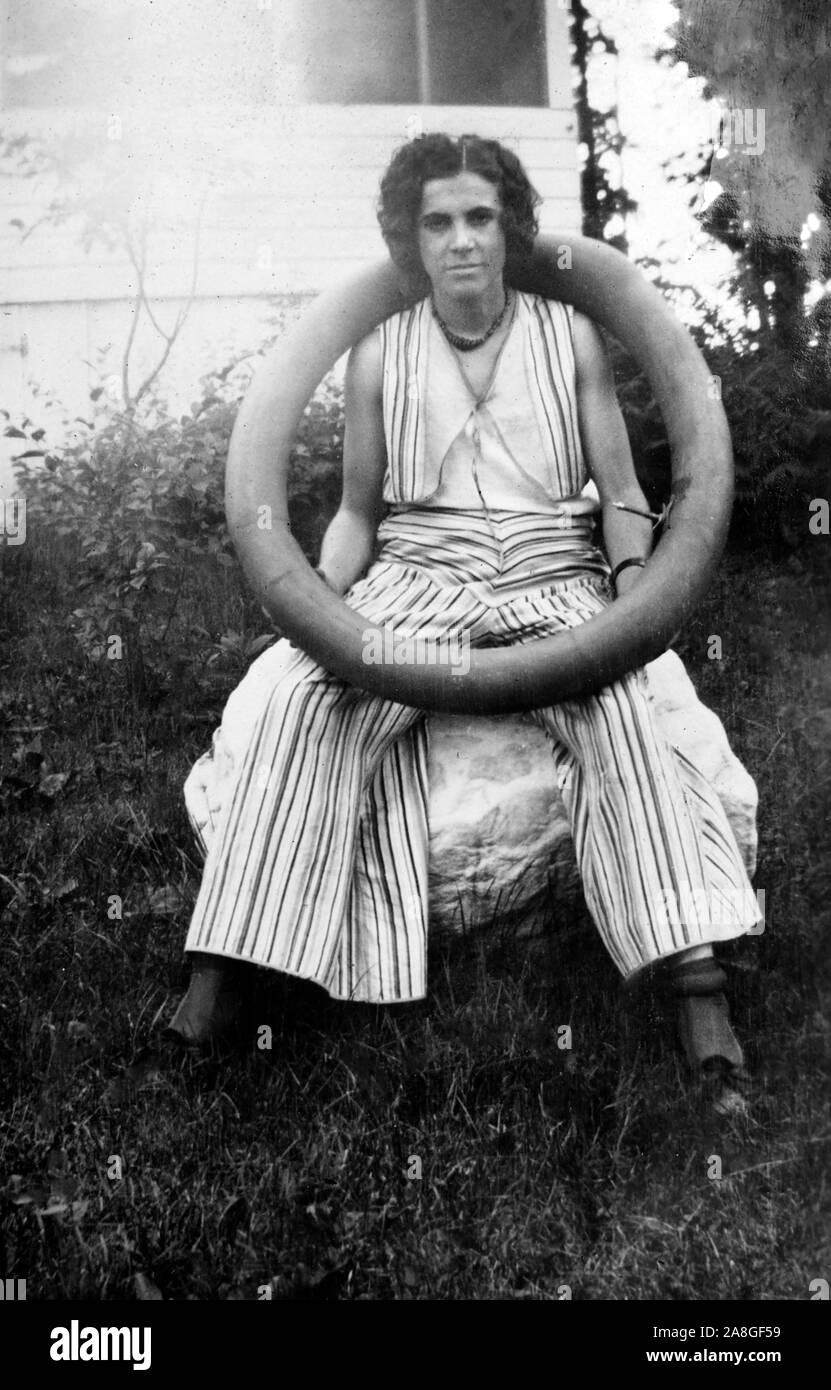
x=468, y=344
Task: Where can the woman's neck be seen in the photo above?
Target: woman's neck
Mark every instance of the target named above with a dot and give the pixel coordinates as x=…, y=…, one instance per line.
x=471, y=317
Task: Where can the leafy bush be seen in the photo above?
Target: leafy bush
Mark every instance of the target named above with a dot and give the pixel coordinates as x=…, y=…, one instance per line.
x=779, y=413
x=316, y=468
x=136, y=503
x=779, y=419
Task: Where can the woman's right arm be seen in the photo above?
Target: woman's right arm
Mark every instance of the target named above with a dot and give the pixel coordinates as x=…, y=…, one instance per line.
x=349, y=542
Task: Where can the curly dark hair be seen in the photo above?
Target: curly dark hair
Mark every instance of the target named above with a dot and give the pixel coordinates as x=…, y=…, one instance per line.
x=441, y=157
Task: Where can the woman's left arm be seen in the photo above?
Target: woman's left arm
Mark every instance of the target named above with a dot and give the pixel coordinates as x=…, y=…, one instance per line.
x=607, y=452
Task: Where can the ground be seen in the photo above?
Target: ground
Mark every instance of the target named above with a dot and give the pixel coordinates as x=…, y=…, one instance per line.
x=451, y=1149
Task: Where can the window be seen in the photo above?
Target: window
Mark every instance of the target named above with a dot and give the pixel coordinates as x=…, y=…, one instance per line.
x=441, y=52
x=488, y=53
x=111, y=53
x=361, y=51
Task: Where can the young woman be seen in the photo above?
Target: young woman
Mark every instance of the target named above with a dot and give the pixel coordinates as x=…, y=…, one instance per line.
x=474, y=421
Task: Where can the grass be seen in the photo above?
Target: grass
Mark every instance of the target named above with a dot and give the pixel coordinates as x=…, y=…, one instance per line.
x=445, y=1150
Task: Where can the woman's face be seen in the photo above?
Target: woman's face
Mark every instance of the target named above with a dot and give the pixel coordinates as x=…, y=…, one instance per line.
x=460, y=236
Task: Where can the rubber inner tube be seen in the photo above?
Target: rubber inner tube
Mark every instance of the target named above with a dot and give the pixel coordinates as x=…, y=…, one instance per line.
x=603, y=284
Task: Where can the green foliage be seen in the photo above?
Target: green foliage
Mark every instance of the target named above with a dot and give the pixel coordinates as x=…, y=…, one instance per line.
x=779, y=413
x=289, y=1168
x=774, y=56
x=315, y=474
x=780, y=421
x=138, y=503
x=602, y=196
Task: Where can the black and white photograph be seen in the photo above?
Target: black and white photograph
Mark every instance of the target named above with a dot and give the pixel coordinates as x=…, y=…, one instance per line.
x=415, y=675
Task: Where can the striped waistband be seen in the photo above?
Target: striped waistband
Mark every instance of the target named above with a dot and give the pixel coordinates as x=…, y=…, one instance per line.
x=503, y=551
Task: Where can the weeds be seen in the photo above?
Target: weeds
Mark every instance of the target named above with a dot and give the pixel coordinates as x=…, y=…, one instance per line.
x=450, y=1149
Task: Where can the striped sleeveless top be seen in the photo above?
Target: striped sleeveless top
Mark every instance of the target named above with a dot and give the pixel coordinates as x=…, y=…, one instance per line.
x=531, y=401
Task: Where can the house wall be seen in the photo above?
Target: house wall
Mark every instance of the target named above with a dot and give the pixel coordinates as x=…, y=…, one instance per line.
x=251, y=205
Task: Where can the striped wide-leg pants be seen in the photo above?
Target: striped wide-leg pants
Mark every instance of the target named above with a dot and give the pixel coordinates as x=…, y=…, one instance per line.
x=317, y=864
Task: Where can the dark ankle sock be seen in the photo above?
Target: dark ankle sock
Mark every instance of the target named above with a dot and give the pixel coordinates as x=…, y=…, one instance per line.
x=704, y=1016
x=703, y=976
x=211, y=1003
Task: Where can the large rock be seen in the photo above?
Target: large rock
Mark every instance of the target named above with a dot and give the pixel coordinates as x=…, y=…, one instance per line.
x=499, y=835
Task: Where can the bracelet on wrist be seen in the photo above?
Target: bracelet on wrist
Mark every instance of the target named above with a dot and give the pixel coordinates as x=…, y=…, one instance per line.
x=624, y=564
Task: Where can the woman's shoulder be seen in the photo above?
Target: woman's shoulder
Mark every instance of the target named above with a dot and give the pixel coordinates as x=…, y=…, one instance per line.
x=404, y=316
x=543, y=307
x=405, y=332
x=550, y=321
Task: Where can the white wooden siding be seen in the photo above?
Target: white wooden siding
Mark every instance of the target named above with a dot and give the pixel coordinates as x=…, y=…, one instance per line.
x=287, y=206
x=287, y=196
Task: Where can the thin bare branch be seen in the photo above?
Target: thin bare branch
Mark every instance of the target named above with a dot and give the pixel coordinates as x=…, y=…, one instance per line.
x=182, y=316
x=138, y=262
